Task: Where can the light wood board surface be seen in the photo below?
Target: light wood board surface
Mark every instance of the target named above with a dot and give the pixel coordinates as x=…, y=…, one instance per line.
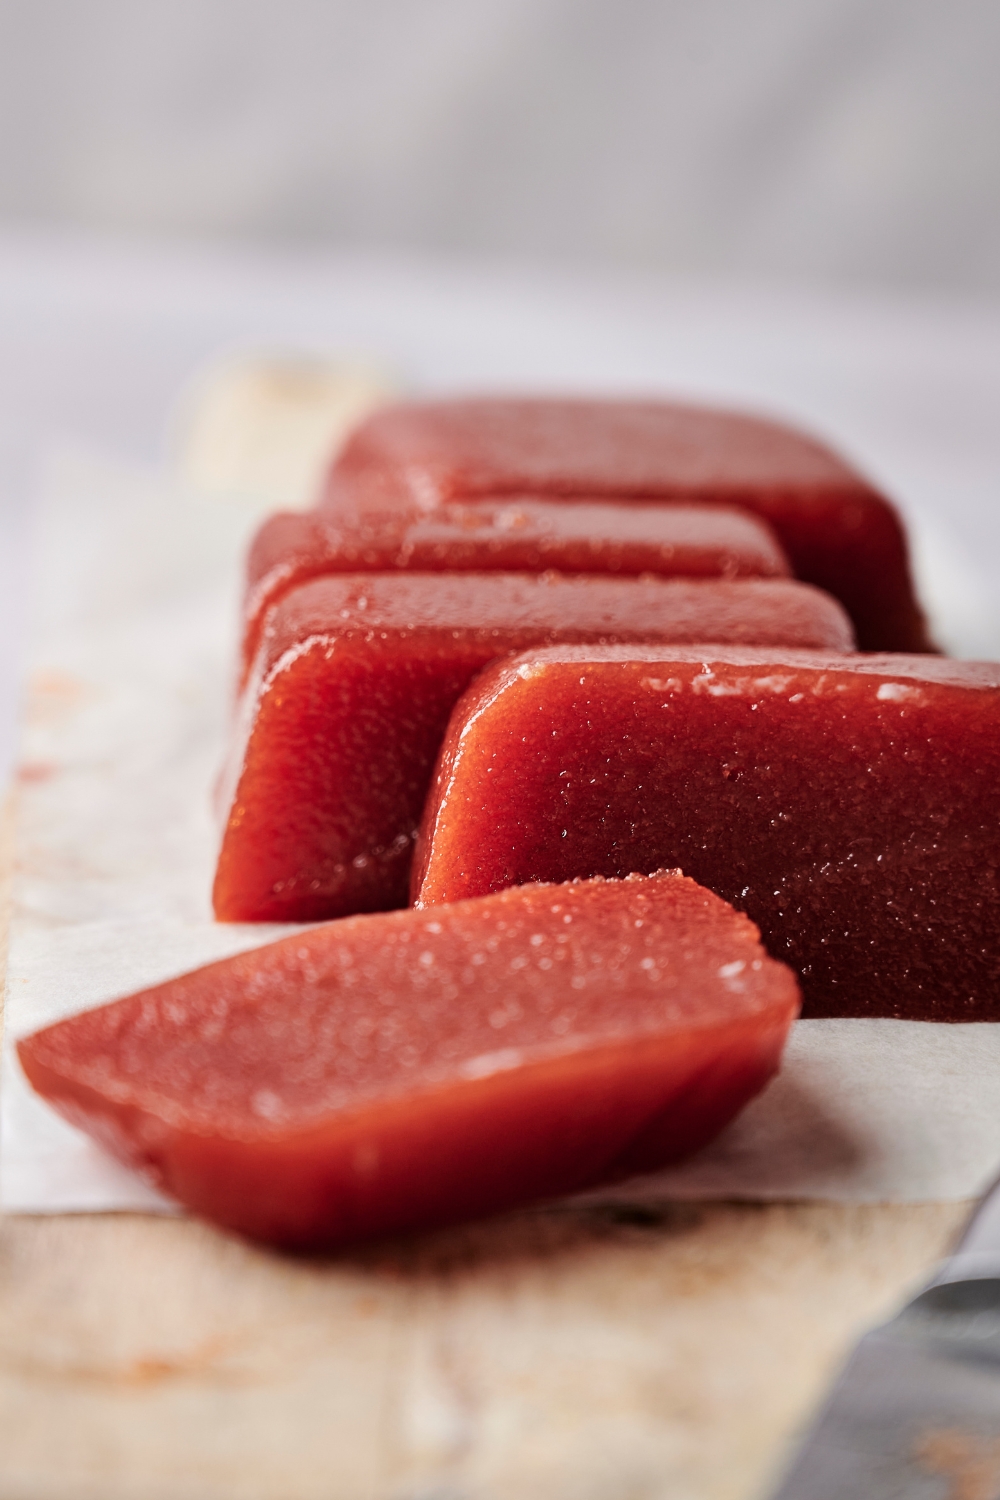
x=569, y=1355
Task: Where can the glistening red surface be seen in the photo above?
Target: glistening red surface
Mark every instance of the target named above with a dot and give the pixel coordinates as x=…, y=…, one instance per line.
x=521, y=534
x=355, y=681
x=411, y=1069
x=850, y=807
x=838, y=531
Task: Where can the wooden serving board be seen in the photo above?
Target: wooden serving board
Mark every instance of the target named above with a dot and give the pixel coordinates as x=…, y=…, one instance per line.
x=565, y=1353
x=585, y=1355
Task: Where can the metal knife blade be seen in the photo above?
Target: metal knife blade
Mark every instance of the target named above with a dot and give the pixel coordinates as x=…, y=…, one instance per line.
x=915, y=1414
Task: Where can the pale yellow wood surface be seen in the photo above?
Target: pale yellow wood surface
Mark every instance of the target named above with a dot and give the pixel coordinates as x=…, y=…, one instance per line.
x=564, y=1355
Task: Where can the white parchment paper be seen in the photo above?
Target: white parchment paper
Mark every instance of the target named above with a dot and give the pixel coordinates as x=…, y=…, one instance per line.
x=126, y=717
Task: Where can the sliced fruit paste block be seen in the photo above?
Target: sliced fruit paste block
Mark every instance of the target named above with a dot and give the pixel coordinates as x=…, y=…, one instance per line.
x=851, y=806
x=517, y=535
x=350, y=698
x=838, y=531
x=412, y=1069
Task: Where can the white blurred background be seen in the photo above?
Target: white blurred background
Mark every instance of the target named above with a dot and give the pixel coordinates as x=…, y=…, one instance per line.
x=789, y=205
x=839, y=139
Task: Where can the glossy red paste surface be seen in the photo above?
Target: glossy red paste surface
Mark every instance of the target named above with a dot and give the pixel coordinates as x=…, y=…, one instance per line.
x=351, y=694
x=838, y=531
x=519, y=535
x=850, y=807
x=417, y=1068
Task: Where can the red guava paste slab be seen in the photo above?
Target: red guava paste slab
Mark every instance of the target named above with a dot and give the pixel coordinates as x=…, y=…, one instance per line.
x=413, y=1069
x=352, y=689
x=851, y=806
x=838, y=531
x=520, y=535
